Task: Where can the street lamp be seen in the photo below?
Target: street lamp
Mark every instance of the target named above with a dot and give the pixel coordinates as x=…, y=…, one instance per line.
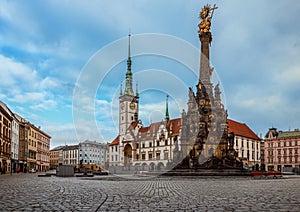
x=11, y=160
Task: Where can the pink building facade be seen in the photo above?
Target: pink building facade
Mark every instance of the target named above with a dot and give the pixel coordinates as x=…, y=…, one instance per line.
x=282, y=150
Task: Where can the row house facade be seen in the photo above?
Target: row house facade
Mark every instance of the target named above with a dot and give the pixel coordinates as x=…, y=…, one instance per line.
x=5, y=139
x=247, y=143
x=56, y=157
x=15, y=143
x=282, y=150
x=70, y=155
x=85, y=153
x=34, y=147
x=43, y=148
x=92, y=153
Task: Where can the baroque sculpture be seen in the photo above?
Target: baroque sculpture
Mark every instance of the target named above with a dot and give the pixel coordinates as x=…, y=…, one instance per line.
x=205, y=142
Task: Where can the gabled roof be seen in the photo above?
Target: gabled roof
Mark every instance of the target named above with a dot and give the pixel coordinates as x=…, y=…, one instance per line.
x=241, y=129
x=115, y=142
x=176, y=125
x=147, y=132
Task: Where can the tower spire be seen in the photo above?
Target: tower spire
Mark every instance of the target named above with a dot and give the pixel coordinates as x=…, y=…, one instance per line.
x=128, y=86
x=121, y=89
x=129, y=56
x=136, y=89
x=167, y=109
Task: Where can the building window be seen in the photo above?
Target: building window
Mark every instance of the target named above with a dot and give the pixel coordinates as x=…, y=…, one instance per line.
x=137, y=146
x=150, y=156
x=166, y=142
x=296, y=151
x=279, y=159
x=279, y=151
x=291, y=159
x=284, y=151
x=150, y=144
x=296, y=159
x=143, y=145
x=157, y=143
x=291, y=144
x=158, y=156
x=291, y=151
x=116, y=148
x=143, y=156
x=116, y=157
x=137, y=156
x=166, y=156
x=112, y=158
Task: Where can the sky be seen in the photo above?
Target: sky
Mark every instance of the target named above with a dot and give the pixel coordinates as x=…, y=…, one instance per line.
x=62, y=62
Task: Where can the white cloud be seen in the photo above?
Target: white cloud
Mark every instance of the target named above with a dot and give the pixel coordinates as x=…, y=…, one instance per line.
x=28, y=97
x=289, y=76
x=45, y=105
x=15, y=72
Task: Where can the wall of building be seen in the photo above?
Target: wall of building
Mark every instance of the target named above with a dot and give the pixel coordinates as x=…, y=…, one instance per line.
x=282, y=152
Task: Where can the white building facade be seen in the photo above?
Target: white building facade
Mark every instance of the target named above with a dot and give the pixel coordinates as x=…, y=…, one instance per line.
x=247, y=143
x=70, y=155
x=15, y=143
x=92, y=152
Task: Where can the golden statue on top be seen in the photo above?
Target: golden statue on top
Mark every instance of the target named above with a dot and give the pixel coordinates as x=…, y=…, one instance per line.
x=206, y=17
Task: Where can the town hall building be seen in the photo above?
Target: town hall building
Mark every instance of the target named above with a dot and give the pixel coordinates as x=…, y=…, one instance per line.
x=163, y=144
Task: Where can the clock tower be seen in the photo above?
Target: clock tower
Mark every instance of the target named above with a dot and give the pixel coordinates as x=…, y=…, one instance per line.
x=128, y=101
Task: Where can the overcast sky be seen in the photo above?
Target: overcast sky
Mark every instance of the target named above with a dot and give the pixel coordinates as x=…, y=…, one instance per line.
x=62, y=62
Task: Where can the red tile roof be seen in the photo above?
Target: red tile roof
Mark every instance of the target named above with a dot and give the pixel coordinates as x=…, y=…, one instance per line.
x=115, y=142
x=147, y=132
x=237, y=128
x=133, y=125
x=241, y=129
x=176, y=125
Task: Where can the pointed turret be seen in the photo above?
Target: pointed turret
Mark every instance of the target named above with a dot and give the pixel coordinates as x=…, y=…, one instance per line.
x=167, y=117
x=136, y=90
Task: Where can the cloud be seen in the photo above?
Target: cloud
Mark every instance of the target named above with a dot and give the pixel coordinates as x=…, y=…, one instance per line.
x=16, y=73
x=45, y=105
x=28, y=97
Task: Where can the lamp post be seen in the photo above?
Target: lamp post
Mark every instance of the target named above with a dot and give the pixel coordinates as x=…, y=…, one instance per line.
x=11, y=160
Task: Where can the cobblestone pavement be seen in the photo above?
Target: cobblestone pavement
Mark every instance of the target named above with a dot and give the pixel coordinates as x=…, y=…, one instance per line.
x=28, y=192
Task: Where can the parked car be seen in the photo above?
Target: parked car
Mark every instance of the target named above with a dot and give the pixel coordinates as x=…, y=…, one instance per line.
x=32, y=170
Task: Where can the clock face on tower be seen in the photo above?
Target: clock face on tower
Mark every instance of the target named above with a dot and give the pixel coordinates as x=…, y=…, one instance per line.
x=132, y=106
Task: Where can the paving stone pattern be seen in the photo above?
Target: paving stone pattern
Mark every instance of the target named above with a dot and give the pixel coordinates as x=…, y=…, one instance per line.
x=28, y=192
